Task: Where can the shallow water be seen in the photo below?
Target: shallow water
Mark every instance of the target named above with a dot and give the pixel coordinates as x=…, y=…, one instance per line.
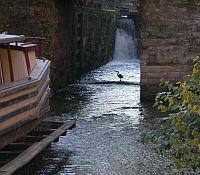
x=110, y=119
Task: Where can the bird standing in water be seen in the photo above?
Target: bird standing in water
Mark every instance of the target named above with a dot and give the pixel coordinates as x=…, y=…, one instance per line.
x=119, y=75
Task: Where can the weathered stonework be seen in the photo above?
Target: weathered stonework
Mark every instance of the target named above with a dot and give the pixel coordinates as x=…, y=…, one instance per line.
x=170, y=39
x=88, y=38
x=79, y=37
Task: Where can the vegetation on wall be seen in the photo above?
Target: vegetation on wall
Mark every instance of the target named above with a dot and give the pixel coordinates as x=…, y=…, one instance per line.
x=31, y=18
x=187, y=3
x=179, y=135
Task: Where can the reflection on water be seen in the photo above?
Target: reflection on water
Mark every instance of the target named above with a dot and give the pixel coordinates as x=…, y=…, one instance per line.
x=109, y=119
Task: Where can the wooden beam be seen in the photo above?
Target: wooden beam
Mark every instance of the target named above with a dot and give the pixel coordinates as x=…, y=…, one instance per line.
x=40, y=44
x=10, y=63
x=27, y=62
x=34, y=150
x=42, y=132
x=31, y=139
x=55, y=126
x=9, y=154
x=18, y=132
x=16, y=146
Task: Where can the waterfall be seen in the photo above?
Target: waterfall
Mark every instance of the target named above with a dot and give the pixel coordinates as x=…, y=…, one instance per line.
x=126, y=42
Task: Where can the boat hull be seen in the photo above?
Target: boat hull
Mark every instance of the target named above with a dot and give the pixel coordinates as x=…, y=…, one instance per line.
x=24, y=104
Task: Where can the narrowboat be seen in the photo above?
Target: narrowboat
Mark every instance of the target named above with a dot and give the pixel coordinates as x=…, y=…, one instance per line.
x=24, y=86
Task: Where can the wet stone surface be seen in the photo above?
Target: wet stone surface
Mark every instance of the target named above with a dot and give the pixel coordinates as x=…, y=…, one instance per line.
x=110, y=119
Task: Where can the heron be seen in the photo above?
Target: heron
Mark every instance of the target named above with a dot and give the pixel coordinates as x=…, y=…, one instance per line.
x=119, y=75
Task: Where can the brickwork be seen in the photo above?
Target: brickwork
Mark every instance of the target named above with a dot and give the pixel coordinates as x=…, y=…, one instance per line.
x=170, y=39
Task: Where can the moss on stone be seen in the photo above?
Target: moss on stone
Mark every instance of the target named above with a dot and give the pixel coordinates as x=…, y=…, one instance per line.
x=186, y=3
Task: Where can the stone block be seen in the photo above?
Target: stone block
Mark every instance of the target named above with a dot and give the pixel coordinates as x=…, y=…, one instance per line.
x=172, y=68
x=194, y=35
x=157, y=75
x=183, y=74
x=142, y=62
x=149, y=69
x=173, y=75
x=143, y=75
x=188, y=68
x=150, y=82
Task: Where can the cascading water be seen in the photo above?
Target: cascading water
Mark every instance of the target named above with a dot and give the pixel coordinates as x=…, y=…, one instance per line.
x=125, y=59
x=126, y=42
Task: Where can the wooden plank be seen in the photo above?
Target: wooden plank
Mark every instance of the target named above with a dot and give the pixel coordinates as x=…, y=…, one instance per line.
x=42, y=132
x=16, y=146
x=20, y=102
x=55, y=126
x=18, y=94
x=40, y=71
x=17, y=99
x=31, y=139
x=15, y=102
x=17, y=106
x=34, y=150
x=1, y=73
x=28, y=65
x=9, y=154
x=13, y=115
x=10, y=63
x=22, y=128
x=26, y=115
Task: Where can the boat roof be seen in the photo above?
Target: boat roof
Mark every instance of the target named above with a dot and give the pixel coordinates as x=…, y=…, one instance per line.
x=5, y=38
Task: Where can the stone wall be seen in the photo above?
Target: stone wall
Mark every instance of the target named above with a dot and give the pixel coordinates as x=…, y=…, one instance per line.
x=79, y=38
x=85, y=38
x=170, y=39
x=94, y=39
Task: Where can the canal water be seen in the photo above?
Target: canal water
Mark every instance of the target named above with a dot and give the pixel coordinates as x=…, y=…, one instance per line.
x=110, y=118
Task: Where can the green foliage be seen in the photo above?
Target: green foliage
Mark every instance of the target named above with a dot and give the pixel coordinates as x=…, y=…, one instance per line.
x=179, y=135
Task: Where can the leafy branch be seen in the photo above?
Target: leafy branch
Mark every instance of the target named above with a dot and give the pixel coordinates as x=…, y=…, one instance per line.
x=179, y=135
